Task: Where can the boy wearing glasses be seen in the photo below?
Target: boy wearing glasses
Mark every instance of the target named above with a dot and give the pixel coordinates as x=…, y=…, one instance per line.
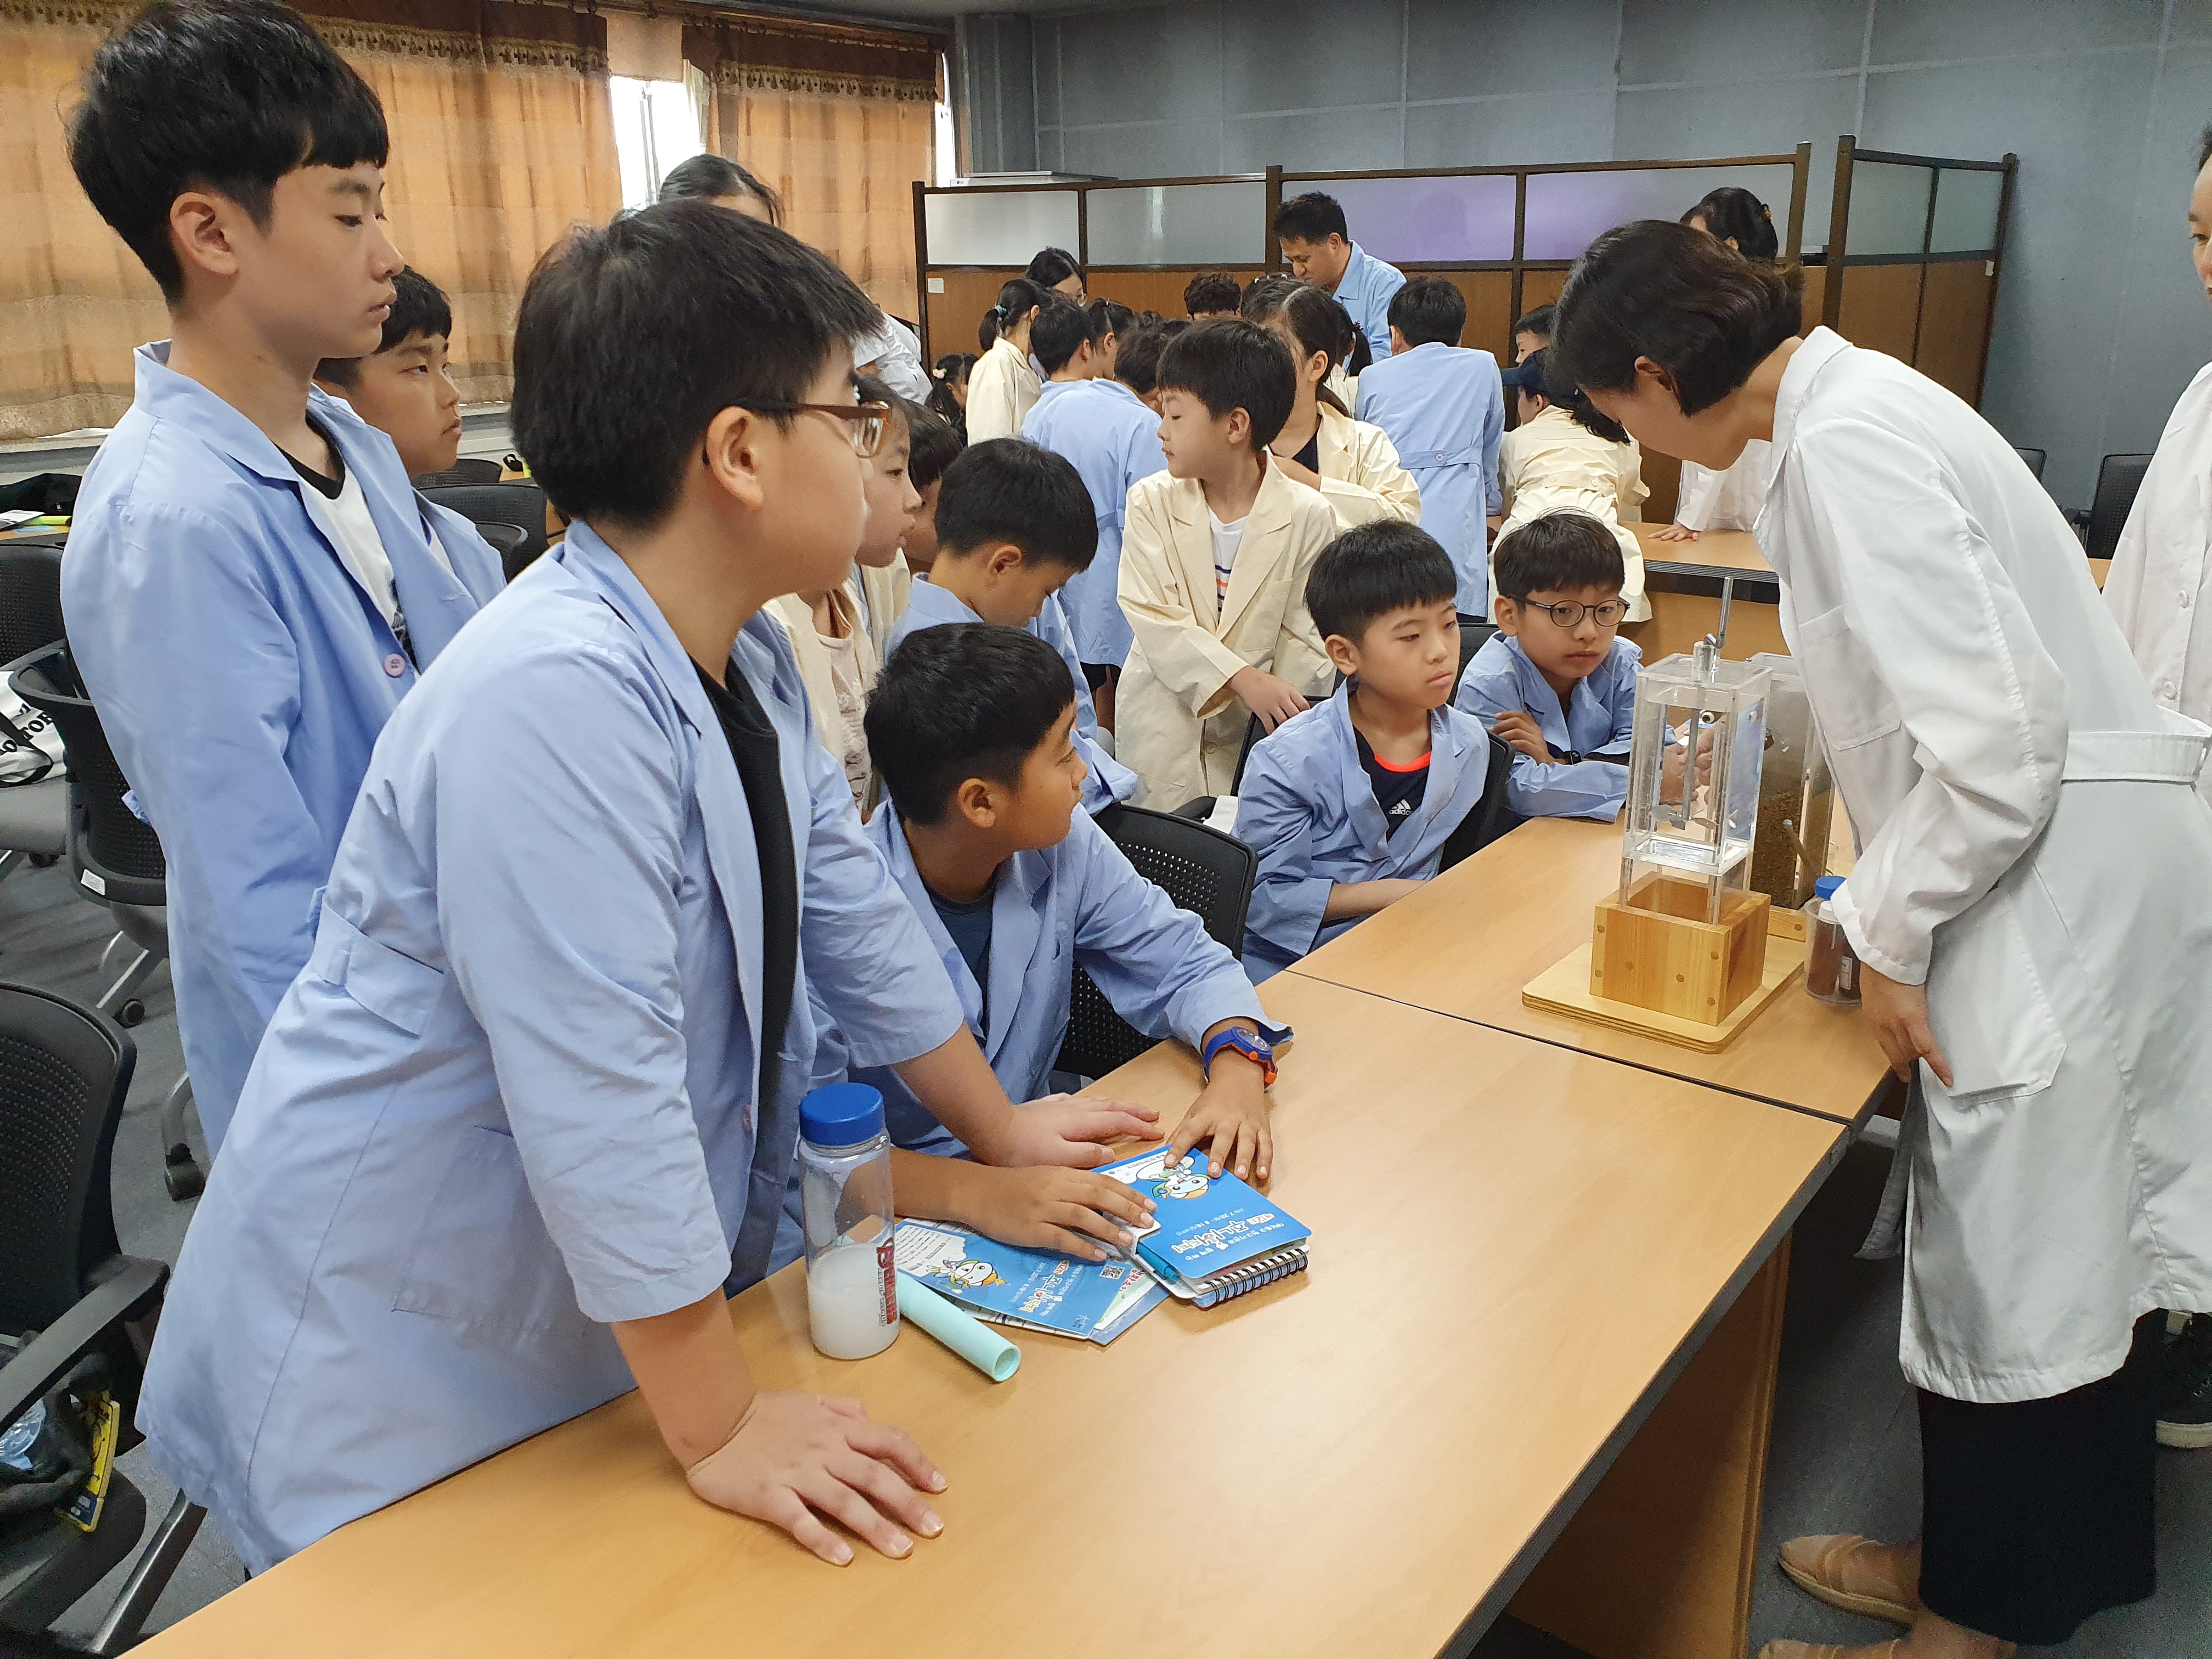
x=1558, y=683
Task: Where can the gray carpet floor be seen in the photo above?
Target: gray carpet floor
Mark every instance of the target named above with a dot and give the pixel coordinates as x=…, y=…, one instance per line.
x=1845, y=1453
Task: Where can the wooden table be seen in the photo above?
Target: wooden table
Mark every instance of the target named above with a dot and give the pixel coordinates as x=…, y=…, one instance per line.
x=1517, y=1250
x=1467, y=942
x=1689, y=583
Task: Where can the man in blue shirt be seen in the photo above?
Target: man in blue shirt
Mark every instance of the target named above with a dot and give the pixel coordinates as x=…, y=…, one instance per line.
x=1315, y=240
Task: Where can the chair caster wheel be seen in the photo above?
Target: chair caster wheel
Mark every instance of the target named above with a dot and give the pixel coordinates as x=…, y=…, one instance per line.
x=130, y=1013
x=44, y=860
x=181, y=1176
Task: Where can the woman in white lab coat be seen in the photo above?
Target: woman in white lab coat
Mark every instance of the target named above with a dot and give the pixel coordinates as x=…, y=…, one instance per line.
x=1004, y=385
x=2033, y=906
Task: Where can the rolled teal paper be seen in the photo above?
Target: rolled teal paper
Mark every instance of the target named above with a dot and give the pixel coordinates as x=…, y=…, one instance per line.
x=958, y=1330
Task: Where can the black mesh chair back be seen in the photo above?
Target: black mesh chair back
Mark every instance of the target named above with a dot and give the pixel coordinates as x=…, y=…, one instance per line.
x=30, y=596
x=2035, y=460
x=512, y=543
x=63, y=1074
x=1473, y=636
x=116, y=856
x=1253, y=732
x=1204, y=871
x=1490, y=817
x=521, y=502
x=2118, y=478
x=469, y=470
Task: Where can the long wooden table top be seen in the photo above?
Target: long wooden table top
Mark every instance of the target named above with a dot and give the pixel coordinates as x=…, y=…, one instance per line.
x=1467, y=942
x=1515, y=1247
x=1715, y=553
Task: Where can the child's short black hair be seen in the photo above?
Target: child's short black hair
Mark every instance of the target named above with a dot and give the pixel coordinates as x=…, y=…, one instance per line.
x=1366, y=574
x=1061, y=330
x=1537, y=322
x=1211, y=291
x=1534, y=373
x=632, y=337
x=1563, y=551
x=1005, y=490
x=1232, y=364
x=935, y=445
x=967, y=699
x=1136, y=364
x=1428, y=310
x=1312, y=217
x=223, y=95
x=705, y=177
x=418, y=307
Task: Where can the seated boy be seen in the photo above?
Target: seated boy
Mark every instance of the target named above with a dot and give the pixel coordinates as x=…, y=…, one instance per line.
x=1556, y=682
x=1349, y=805
x=937, y=445
x=402, y=388
x=1214, y=556
x=1532, y=331
x=1443, y=406
x=973, y=729
x=1211, y=296
x=1013, y=523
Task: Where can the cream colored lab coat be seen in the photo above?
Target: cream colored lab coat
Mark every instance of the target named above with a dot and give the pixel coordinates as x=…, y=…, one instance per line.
x=1727, y=500
x=2161, y=582
x=1552, y=462
x=1002, y=389
x=1176, y=723
x=881, y=593
x=1360, y=474
x=796, y=619
x=2032, y=853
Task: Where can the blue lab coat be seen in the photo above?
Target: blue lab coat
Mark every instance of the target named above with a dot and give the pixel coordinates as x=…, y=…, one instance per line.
x=511, y=1097
x=1307, y=808
x=929, y=605
x=1599, y=719
x=1445, y=408
x=1078, y=905
x=1113, y=440
x=242, y=674
x=1365, y=290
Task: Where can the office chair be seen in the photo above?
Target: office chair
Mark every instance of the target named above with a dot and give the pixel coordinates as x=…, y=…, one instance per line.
x=2035, y=457
x=1201, y=807
x=74, y=1310
x=1490, y=817
x=2118, y=478
x=33, y=816
x=117, y=860
x=512, y=543
x=521, y=502
x=1474, y=634
x=1204, y=871
x=468, y=470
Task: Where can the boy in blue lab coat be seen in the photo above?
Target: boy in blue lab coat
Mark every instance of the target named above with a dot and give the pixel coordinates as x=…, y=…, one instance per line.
x=526, y=1117
x=1014, y=523
x=1317, y=246
x=973, y=728
x=251, y=584
x=1349, y=805
x=1445, y=408
x=1556, y=682
x=1101, y=426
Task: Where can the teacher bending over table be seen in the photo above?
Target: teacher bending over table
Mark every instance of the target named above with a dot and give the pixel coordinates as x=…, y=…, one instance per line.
x=2032, y=904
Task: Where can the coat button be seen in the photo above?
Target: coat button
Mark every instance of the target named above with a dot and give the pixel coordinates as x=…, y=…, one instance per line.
x=395, y=665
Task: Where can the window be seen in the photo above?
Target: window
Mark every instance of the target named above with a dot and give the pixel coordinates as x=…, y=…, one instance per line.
x=948, y=161
x=656, y=126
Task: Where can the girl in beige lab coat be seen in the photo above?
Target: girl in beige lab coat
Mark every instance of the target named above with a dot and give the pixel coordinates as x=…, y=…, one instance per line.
x=1563, y=455
x=1004, y=385
x=2032, y=907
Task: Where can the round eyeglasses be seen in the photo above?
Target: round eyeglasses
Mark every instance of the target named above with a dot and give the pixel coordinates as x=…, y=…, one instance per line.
x=1566, y=613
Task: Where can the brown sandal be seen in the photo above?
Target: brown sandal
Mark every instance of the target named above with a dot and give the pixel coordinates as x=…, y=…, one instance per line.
x=1836, y=1568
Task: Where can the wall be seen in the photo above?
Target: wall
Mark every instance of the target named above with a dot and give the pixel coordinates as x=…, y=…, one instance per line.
x=2099, y=321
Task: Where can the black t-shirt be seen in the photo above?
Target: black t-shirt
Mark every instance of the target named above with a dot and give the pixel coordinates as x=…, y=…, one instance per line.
x=970, y=923
x=331, y=485
x=1397, y=790
x=753, y=746
x=1309, y=456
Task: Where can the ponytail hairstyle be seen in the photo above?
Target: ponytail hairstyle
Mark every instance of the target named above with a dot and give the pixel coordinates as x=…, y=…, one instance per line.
x=705, y=177
x=1110, y=317
x=1019, y=297
x=1053, y=265
x=1318, y=321
x=1732, y=212
x=951, y=369
x=1536, y=370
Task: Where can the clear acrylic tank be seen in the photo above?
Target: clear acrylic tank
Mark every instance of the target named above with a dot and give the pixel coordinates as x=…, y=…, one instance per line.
x=1797, y=796
x=1693, y=823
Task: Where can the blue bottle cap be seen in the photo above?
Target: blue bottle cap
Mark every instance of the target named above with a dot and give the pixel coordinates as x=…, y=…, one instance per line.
x=1827, y=887
x=841, y=1114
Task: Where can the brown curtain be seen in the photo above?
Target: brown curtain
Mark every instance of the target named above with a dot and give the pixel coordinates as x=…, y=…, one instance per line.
x=502, y=138
x=840, y=121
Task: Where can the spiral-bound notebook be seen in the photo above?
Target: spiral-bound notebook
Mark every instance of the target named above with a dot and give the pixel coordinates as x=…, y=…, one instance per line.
x=1216, y=1239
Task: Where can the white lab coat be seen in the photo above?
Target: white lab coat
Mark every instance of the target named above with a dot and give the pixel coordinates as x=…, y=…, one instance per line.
x=2031, y=853
x=1729, y=499
x=1002, y=389
x=1361, y=477
x=1177, y=724
x=2160, y=581
x=1553, y=462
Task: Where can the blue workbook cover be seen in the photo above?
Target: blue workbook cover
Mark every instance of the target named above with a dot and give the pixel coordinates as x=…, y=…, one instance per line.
x=1037, y=1290
x=1216, y=1236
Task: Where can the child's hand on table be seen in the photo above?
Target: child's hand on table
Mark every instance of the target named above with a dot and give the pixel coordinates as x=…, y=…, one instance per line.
x=1272, y=698
x=1231, y=1113
x=1071, y=1130
x=1519, y=729
x=1066, y=1210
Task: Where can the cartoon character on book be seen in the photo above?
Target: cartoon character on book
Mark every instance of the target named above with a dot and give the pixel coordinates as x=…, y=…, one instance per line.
x=969, y=1274
x=1187, y=1179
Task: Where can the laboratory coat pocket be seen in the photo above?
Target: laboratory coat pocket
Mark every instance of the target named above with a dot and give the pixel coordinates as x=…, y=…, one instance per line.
x=1987, y=1008
x=483, y=1256
x=1854, y=707
x=389, y=983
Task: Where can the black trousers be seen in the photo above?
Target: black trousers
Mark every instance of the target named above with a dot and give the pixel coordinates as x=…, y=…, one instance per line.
x=2038, y=1513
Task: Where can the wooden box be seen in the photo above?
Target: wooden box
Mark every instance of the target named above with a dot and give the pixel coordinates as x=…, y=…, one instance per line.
x=1657, y=950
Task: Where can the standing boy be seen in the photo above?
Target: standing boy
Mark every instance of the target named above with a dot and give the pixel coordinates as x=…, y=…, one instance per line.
x=250, y=588
x=1213, y=569
x=1317, y=243
x=1349, y=805
x=1445, y=408
x=1532, y=331
x=937, y=445
x=1211, y=296
x=1014, y=523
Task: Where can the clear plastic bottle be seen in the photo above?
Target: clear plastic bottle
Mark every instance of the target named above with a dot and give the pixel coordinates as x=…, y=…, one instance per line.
x=1831, y=966
x=845, y=1195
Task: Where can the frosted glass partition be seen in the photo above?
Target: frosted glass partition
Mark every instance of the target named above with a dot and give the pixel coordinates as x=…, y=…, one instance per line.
x=1966, y=203
x=998, y=228
x=1889, y=207
x=1568, y=211
x=1464, y=220
x=1177, y=225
